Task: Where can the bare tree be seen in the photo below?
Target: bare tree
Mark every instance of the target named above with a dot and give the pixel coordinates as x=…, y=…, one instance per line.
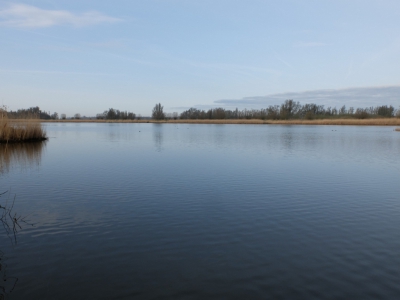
x=115, y=114
x=158, y=112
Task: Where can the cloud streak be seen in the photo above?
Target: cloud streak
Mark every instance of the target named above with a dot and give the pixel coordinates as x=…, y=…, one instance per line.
x=27, y=16
x=54, y=72
x=309, y=44
x=357, y=97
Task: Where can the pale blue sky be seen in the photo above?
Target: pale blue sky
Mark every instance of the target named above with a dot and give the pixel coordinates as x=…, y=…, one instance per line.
x=87, y=56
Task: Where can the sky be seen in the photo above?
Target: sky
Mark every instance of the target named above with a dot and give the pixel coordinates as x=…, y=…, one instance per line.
x=91, y=55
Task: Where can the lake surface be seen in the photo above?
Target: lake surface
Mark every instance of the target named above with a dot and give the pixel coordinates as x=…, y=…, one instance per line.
x=177, y=211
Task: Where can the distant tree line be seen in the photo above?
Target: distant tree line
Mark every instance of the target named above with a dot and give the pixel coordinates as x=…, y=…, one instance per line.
x=292, y=110
x=115, y=114
x=31, y=113
x=288, y=110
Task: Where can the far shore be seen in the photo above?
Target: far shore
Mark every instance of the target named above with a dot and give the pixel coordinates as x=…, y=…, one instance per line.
x=359, y=122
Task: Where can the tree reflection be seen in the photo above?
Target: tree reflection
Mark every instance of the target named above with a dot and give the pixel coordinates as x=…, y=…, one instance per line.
x=158, y=137
x=8, y=283
x=22, y=154
x=12, y=223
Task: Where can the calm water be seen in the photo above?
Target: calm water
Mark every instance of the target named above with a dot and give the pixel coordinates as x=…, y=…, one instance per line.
x=147, y=211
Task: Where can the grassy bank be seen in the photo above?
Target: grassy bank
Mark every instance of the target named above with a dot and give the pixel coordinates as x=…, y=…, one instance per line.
x=12, y=131
x=365, y=122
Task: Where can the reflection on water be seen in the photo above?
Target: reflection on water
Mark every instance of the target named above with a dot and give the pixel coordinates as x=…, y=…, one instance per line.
x=12, y=223
x=176, y=211
x=158, y=137
x=25, y=155
x=7, y=283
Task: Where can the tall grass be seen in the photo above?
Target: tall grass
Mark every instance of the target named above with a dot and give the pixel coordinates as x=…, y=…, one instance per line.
x=26, y=130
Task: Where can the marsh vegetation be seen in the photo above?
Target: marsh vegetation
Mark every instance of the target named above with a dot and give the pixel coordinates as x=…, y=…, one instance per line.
x=20, y=130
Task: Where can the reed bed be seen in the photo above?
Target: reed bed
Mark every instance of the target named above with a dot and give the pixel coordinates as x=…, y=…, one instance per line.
x=361, y=122
x=12, y=131
x=397, y=129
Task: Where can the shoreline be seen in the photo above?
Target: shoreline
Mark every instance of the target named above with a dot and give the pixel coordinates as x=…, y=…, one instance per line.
x=355, y=122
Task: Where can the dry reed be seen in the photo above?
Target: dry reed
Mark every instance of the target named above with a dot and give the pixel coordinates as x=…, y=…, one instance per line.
x=397, y=129
x=28, y=130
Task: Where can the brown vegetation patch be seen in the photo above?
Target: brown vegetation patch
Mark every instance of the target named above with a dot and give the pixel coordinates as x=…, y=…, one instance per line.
x=12, y=131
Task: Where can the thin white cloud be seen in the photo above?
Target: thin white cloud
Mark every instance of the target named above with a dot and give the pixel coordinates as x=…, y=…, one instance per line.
x=309, y=44
x=27, y=16
x=284, y=62
x=198, y=106
x=111, y=44
x=54, y=72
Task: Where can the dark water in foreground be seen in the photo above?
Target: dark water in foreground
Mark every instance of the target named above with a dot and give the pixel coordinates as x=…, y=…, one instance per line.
x=147, y=211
